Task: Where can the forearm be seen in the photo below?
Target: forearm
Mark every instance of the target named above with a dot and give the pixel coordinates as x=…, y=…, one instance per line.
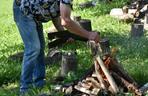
x=75, y=28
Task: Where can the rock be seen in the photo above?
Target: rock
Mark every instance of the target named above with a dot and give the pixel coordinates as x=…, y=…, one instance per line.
x=121, y=16
x=116, y=12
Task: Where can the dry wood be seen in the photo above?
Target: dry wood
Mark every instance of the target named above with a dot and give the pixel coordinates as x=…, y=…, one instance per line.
x=99, y=76
x=65, y=34
x=94, y=75
x=69, y=90
x=84, y=90
x=129, y=86
x=86, y=85
x=95, y=83
x=107, y=74
x=118, y=68
x=95, y=91
x=99, y=63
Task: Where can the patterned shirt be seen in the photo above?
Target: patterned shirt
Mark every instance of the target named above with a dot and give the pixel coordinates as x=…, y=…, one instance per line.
x=43, y=10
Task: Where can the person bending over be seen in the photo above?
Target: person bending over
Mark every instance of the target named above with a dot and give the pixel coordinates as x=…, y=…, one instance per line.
x=29, y=16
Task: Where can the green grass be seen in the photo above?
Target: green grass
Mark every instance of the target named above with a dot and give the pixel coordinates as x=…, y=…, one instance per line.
x=133, y=54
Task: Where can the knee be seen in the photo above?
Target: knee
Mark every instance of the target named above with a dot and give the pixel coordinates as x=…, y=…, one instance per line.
x=33, y=50
x=36, y=50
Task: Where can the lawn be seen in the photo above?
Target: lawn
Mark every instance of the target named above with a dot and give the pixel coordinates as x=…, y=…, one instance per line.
x=133, y=53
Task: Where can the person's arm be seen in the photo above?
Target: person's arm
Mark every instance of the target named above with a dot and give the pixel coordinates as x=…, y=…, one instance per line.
x=72, y=26
x=57, y=23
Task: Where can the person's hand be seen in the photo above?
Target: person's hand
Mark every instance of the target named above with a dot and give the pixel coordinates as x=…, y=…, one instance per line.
x=94, y=36
x=70, y=40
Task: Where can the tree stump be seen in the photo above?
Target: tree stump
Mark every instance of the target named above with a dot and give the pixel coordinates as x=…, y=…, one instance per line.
x=146, y=22
x=69, y=63
x=146, y=18
x=105, y=46
x=86, y=24
x=137, y=30
x=77, y=18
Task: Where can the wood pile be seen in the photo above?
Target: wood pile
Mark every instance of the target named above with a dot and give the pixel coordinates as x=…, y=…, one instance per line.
x=105, y=77
x=135, y=9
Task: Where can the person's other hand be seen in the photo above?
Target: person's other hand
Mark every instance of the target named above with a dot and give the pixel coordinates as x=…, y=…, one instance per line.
x=94, y=36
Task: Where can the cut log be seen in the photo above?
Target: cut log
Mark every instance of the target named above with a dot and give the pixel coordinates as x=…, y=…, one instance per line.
x=54, y=56
x=96, y=91
x=86, y=24
x=146, y=22
x=57, y=42
x=94, y=82
x=69, y=90
x=77, y=18
x=16, y=56
x=94, y=75
x=105, y=46
x=108, y=76
x=137, y=30
x=146, y=19
x=122, y=82
x=99, y=63
x=65, y=34
x=86, y=85
x=99, y=76
x=84, y=90
x=69, y=63
x=116, y=67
